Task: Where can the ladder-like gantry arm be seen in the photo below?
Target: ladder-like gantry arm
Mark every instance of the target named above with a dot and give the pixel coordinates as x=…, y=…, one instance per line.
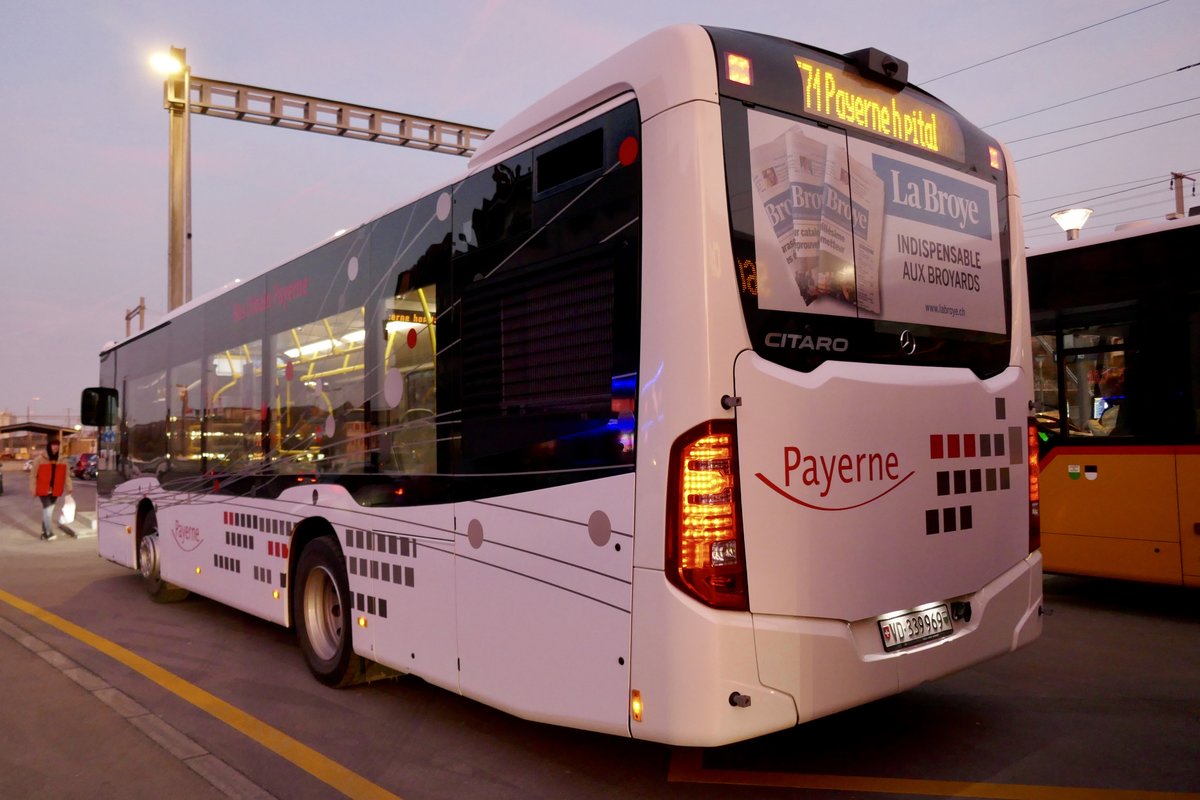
x=216, y=98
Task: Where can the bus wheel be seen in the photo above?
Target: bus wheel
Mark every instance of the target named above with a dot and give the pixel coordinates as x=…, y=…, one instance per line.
x=322, y=613
x=159, y=590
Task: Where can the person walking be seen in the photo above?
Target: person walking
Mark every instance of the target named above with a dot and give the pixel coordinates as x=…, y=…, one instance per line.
x=49, y=479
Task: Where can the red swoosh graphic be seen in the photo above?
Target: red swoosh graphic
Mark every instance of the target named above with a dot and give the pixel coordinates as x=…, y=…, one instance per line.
x=798, y=501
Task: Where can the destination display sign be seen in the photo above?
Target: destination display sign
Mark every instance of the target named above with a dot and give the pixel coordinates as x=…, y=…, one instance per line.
x=833, y=93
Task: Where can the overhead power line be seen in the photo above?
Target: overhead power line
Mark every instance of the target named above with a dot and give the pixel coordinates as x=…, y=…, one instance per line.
x=1030, y=213
x=1090, y=96
x=1098, y=121
x=1053, y=229
x=1078, y=192
x=1123, y=199
x=1105, y=138
x=1045, y=41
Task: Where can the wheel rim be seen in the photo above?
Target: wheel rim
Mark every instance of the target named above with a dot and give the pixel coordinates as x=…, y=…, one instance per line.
x=148, y=557
x=323, y=613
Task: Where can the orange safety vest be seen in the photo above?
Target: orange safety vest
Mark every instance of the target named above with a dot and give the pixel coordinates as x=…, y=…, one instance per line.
x=49, y=473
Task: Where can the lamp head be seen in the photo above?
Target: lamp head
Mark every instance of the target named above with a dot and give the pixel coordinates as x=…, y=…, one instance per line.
x=1071, y=220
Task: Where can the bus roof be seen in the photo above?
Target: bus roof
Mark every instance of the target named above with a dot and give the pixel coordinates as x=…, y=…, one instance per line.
x=670, y=66
x=1130, y=231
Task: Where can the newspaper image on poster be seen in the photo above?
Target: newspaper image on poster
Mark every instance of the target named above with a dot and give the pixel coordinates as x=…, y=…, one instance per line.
x=874, y=232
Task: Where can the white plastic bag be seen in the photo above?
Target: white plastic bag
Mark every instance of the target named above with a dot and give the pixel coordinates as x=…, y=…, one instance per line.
x=67, y=515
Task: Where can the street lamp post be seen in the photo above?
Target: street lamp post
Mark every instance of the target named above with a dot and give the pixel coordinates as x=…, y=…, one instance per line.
x=1071, y=220
x=235, y=101
x=177, y=92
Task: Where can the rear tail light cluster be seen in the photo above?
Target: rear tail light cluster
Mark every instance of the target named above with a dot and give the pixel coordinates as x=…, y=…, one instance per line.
x=705, y=550
x=1035, y=511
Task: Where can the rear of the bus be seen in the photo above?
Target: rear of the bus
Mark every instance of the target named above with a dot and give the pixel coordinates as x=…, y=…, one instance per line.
x=868, y=501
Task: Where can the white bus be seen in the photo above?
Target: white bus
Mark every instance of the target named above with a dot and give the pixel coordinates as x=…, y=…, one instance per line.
x=695, y=409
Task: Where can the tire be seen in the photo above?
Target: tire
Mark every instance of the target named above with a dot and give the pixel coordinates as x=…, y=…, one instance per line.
x=160, y=591
x=322, y=612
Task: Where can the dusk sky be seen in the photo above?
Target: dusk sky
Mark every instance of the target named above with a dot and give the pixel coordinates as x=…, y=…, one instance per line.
x=83, y=209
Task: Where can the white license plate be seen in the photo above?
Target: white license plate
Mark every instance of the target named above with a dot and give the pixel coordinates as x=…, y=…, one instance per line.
x=906, y=630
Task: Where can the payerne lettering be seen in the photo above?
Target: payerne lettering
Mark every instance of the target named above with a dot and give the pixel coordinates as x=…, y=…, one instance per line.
x=277, y=295
x=824, y=471
x=187, y=536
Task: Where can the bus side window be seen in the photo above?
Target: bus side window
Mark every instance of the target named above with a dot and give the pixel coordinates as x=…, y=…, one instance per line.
x=409, y=425
x=1096, y=381
x=233, y=411
x=317, y=416
x=1194, y=350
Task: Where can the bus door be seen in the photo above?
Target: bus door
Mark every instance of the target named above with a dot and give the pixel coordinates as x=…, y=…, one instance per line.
x=1187, y=462
x=1187, y=473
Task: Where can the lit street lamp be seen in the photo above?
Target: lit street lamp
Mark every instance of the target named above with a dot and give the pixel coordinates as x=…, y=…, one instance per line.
x=177, y=100
x=1071, y=220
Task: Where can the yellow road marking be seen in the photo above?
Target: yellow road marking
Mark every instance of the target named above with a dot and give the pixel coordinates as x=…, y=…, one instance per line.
x=687, y=767
x=314, y=763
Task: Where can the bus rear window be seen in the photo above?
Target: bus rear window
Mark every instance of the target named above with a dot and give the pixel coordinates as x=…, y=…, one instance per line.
x=853, y=248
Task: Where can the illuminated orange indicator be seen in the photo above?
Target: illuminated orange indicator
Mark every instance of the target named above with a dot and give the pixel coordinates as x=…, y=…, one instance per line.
x=994, y=158
x=635, y=705
x=738, y=69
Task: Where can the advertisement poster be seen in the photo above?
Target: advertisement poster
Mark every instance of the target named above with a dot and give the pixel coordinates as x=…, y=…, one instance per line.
x=849, y=228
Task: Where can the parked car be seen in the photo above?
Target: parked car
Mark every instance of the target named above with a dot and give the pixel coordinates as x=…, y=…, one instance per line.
x=85, y=466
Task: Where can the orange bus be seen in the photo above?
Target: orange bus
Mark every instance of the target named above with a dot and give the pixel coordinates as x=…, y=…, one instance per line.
x=1116, y=348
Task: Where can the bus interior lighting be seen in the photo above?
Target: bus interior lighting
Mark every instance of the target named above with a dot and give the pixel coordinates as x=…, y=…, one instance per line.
x=739, y=69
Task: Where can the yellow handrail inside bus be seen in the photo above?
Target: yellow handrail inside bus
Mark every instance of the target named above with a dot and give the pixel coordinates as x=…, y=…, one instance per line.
x=429, y=323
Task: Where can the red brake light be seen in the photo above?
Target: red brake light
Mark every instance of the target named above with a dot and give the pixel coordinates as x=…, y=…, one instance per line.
x=1035, y=516
x=705, y=551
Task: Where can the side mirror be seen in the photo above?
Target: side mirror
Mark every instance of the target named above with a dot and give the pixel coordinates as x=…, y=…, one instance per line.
x=98, y=407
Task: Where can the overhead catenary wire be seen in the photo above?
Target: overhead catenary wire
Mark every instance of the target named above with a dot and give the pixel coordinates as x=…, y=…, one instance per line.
x=1098, y=121
x=1108, y=212
x=1045, y=41
x=1040, y=212
x=1080, y=201
x=1105, y=138
x=1090, y=96
x=1053, y=230
x=1078, y=192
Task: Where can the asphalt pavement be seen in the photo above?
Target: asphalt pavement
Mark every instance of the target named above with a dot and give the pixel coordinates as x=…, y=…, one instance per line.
x=64, y=731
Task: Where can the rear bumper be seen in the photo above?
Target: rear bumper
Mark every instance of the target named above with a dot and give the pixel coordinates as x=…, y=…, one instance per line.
x=689, y=660
x=829, y=665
